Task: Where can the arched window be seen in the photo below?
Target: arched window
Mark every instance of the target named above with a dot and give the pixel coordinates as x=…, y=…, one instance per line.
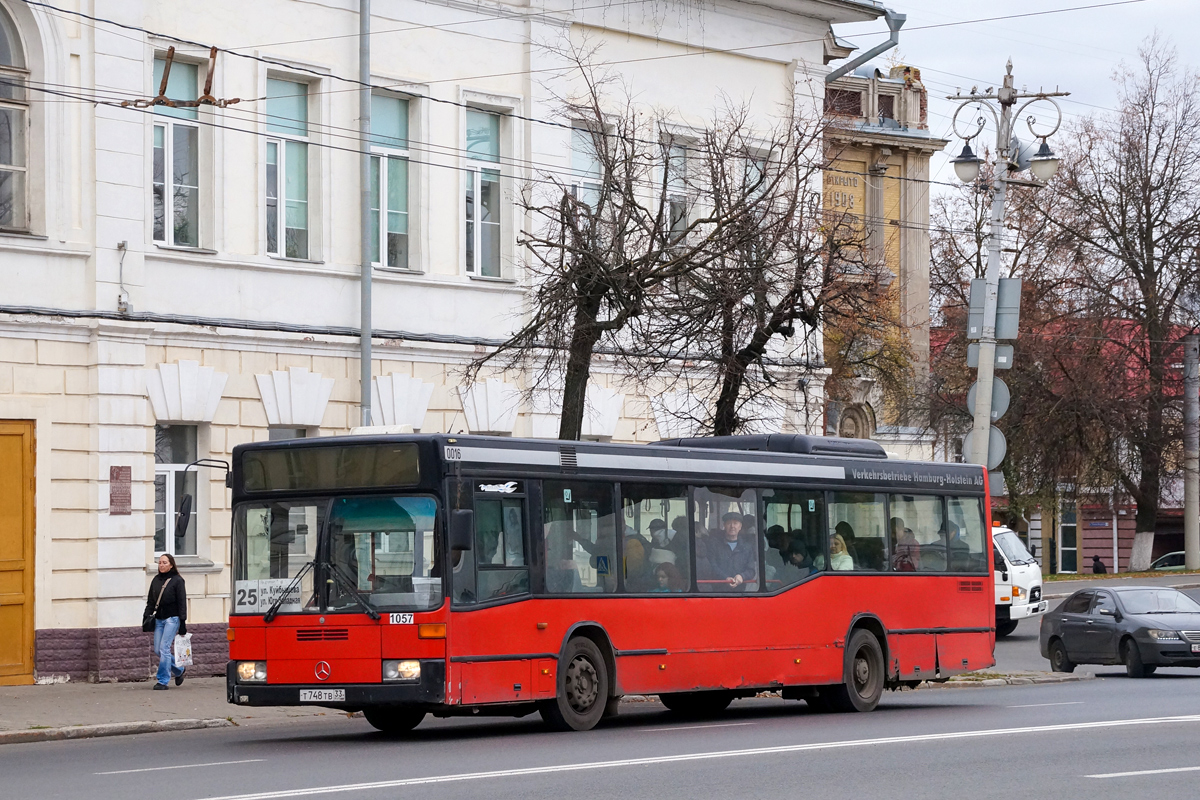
x=14, y=121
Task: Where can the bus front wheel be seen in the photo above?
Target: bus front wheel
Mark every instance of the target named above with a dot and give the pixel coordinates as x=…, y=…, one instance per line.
x=863, y=670
x=393, y=720
x=582, y=688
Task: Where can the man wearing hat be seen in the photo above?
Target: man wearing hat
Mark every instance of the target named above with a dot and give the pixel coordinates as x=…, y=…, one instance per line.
x=731, y=559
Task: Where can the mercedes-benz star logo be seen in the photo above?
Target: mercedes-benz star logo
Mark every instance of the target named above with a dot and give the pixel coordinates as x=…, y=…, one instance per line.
x=322, y=670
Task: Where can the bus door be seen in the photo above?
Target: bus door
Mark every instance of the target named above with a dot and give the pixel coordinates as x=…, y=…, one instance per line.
x=490, y=650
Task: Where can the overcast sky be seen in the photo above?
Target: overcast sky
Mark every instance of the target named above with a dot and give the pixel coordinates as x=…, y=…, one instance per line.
x=1074, y=50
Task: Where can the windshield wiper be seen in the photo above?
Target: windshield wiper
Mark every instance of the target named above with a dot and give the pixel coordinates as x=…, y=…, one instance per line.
x=348, y=586
x=274, y=609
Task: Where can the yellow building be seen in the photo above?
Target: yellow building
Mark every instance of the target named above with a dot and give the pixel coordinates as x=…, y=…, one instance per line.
x=880, y=146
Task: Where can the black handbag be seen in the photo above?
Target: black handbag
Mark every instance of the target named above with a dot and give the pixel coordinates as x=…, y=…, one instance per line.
x=148, y=617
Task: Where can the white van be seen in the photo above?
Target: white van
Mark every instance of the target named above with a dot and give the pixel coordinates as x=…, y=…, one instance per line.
x=1018, y=582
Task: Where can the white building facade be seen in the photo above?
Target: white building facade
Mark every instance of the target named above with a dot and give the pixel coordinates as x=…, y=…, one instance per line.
x=175, y=281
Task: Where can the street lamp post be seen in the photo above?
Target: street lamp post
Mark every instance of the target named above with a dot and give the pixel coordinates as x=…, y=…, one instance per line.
x=1008, y=159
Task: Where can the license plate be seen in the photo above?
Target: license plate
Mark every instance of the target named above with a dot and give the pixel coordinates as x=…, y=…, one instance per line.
x=322, y=695
x=1196, y=648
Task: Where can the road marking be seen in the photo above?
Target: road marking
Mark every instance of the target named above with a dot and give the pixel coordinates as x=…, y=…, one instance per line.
x=685, y=757
x=698, y=727
x=180, y=766
x=1144, y=772
x=1043, y=705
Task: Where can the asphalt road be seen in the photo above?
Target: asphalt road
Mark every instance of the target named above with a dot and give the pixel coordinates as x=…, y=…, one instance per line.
x=1060, y=740
x=1109, y=737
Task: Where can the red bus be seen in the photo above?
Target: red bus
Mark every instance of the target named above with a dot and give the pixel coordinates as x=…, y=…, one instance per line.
x=438, y=574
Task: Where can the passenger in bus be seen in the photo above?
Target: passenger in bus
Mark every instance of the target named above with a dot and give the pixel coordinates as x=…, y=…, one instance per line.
x=637, y=565
x=562, y=576
x=958, y=550
x=731, y=559
x=906, y=551
x=677, y=541
x=667, y=579
x=839, y=558
x=786, y=558
x=660, y=543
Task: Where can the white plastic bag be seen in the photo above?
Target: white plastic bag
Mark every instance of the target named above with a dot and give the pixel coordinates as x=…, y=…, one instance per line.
x=183, y=651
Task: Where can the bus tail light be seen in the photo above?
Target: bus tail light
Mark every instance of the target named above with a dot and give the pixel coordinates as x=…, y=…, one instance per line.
x=431, y=630
x=229, y=634
x=252, y=671
x=408, y=670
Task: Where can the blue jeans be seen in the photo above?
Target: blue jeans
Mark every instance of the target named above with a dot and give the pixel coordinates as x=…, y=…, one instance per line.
x=164, y=645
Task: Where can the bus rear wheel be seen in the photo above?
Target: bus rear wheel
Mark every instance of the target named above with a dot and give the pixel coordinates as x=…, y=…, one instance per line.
x=582, y=688
x=696, y=704
x=393, y=720
x=863, y=670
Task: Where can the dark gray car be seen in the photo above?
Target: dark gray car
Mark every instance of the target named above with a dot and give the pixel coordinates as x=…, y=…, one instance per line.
x=1142, y=627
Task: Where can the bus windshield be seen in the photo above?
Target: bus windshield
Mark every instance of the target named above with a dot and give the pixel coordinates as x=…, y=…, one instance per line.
x=383, y=548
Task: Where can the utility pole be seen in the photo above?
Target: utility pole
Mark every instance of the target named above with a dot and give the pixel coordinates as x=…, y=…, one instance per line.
x=1009, y=158
x=364, y=178
x=1191, y=451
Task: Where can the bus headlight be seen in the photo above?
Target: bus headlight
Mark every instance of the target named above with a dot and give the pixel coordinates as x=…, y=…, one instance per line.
x=252, y=671
x=401, y=670
x=1017, y=592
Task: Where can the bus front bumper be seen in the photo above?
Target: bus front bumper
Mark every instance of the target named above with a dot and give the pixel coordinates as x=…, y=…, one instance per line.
x=429, y=690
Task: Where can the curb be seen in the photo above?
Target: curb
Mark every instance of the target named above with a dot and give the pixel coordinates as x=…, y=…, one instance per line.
x=1173, y=586
x=1012, y=680
x=110, y=729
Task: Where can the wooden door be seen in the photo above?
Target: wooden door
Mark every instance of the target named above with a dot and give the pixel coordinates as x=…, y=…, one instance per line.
x=16, y=552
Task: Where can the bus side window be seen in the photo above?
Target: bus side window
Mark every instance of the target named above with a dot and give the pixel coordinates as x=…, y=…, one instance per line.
x=857, y=532
x=964, y=548
x=579, y=537
x=655, y=552
x=918, y=533
x=500, y=547
x=794, y=526
x=726, y=539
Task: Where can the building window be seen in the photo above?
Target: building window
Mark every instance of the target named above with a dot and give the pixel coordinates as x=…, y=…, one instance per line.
x=174, y=448
x=843, y=103
x=585, y=168
x=14, y=122
x=482, y=196
x=677, y=157
x=176, y=160
x=887, y=107
x=389, y=181
x=283, y=434
x=287, y=169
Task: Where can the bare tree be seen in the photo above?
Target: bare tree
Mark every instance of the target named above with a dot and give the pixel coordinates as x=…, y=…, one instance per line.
x=1108, y=257
x=598, y=243
x=741, y=330
x=1129, y=197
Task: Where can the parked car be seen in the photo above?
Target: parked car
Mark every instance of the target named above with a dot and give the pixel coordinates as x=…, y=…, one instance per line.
x=1171, y=561
x=1142, y=627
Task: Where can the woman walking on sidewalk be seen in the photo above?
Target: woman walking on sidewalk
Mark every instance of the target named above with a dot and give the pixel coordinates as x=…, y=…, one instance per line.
x=167, y=601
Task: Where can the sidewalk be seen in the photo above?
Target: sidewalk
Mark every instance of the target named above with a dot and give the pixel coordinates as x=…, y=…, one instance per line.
x=1056, y=590
x=54, y=709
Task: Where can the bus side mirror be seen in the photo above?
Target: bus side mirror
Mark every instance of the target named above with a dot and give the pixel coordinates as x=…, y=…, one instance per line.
x=462, y=528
